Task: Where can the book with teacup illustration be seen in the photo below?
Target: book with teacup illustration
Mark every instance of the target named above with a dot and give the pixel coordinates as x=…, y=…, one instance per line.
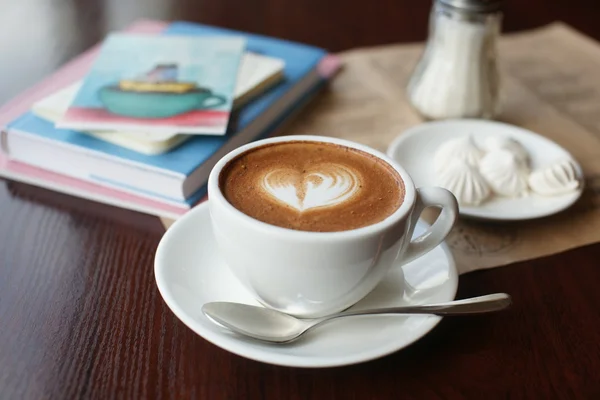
x=257, y=74
x=159, y=84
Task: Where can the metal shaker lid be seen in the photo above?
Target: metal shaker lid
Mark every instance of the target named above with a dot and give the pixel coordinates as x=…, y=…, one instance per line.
x=483, y=6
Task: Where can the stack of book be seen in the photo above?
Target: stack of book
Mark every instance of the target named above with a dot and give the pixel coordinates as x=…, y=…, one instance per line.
x=140, y=120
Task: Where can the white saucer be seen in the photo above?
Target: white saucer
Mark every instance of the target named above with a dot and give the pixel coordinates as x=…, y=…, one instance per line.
x=189, y=272
x=414, y=150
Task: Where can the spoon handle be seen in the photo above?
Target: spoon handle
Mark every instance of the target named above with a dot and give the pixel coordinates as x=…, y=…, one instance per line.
x=473, y=305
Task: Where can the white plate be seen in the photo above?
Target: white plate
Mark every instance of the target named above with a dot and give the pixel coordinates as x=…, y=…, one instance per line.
x=414, y=150
x=189, y=273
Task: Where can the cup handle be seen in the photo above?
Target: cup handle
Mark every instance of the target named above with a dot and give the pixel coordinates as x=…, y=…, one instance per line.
x=437, y=232
x=220, y=100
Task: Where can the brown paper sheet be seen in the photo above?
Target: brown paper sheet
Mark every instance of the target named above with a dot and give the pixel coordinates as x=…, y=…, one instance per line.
x=551, y=85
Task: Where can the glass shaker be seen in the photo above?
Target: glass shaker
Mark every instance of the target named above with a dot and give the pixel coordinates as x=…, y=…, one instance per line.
x=457, y=75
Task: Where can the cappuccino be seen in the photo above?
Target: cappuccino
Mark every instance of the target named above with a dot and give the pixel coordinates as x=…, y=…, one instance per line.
x=312, y=186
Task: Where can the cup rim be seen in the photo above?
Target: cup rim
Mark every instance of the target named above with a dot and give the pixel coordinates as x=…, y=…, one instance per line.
x=215, y=194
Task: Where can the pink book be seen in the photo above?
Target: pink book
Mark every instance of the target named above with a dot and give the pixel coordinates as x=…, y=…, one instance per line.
x=71, y=72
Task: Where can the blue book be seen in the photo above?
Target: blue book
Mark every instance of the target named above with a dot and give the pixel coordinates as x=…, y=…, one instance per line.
x=180, y=175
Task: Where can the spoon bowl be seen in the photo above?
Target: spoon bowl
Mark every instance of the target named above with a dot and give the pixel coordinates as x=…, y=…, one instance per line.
x=256, y=322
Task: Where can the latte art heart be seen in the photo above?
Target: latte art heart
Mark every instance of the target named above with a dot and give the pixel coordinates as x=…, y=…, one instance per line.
x=323, y=186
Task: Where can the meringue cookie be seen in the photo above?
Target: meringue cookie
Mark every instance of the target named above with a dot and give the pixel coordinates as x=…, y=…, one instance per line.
x=504, y=173
x=461, y=148
x=464, y=181
x=555, y=179
x=493, y=143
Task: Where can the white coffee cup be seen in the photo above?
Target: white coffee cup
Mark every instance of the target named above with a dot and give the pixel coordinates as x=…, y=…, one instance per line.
x=312, y=274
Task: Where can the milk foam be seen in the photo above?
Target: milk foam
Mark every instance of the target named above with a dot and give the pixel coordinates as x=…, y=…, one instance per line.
x=324, y=185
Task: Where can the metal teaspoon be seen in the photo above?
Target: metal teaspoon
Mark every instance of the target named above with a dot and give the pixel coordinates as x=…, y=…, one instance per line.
x=277, y=327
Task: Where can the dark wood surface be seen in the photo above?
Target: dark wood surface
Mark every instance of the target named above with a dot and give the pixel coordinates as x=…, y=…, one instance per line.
x=80, y=315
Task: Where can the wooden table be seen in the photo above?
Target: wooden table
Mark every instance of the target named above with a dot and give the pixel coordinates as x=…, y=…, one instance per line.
x=80, y=315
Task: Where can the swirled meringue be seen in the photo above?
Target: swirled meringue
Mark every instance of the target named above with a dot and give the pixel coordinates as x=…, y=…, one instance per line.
x=461, y=148
x=493, y=143
x=555, y=179
x=464, y=181
x=504, y=173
